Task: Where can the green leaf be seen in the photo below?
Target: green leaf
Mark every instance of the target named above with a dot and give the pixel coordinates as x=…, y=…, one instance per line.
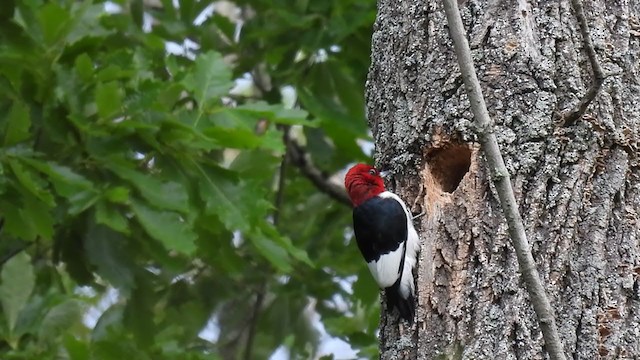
x=277, y=114
x=88, y=24
x=110, y=322
x=107, y=250
x=219, y=193
x=167, y=227
x=118, y=346
x=210, y=79
x=32, y=183
x=256, y=164
x=348, y=90
x=84, y=67
x=59, y=319
x=18, y=281
x=335, y=123
x=137, y=11
x=294, y=251
x=6, y=10
x=109, y=99
x=76, y=348
x=241, y=207
x=234, y=138
x=3, y=180
x=275, y=254
x=54, y=20
x=118, y=195
x=26, y=217
x=138, y=313
x=82, y=200
x=18, y=124
x=221, y=254
x=75, y=187
x=65, y=179
x=113, y=72
x=169, y=195
x=237, y=129
x=15, y=223
x=38, y=215
x=66, y=182
x=285, y=243
x=107, y=214
x=365, y=288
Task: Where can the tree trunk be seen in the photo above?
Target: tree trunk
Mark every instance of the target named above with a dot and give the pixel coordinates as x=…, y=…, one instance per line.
x=578, y=187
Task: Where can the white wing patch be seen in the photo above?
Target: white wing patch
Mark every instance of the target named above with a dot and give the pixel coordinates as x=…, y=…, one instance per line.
x=386, y=270
x=413, y=245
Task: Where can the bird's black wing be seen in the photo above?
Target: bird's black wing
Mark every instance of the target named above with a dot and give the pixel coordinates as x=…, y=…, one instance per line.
x=380, y=225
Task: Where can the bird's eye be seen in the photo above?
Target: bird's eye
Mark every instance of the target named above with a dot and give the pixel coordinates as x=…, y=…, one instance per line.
x=373, y=172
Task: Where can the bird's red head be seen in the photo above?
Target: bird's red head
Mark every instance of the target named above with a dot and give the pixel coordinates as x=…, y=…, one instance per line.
x=363, y=182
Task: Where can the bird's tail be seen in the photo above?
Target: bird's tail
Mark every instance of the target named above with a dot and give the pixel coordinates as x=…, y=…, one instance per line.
x=406, y=306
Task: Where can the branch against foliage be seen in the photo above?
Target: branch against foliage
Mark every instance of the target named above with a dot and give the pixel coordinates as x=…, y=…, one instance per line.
x=570, y=117
x=253, y=322
x=260, y=294
x=502, y=182
x=301, y=159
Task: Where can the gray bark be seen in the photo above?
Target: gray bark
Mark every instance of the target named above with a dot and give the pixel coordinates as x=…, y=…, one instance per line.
x=578, y=187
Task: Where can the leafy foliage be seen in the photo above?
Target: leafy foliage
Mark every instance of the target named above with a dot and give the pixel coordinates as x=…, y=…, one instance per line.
x=127, y=166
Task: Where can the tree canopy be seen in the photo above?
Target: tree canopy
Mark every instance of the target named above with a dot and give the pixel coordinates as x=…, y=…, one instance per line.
x=147, y=187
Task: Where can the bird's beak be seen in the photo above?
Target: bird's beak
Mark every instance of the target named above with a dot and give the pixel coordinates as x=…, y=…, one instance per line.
x=385, y=174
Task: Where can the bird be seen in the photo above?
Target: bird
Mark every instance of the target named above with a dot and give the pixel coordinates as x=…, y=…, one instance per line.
x=385, y=235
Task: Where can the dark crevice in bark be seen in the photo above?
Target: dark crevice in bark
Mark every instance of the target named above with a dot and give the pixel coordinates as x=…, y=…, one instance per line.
x=570, y=117
x=449, y=91
x=513, y=337
x=578, y=335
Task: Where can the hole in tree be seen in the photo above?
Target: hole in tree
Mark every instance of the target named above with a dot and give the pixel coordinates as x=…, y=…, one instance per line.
x=449, y=164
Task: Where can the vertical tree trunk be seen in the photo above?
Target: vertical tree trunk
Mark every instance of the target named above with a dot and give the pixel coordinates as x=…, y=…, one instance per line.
x=578, y=187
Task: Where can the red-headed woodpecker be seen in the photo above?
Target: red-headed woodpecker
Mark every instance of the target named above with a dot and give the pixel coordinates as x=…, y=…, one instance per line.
x=385, y=236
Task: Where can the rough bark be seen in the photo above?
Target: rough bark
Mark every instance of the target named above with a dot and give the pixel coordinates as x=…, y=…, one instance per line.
x=578, y=187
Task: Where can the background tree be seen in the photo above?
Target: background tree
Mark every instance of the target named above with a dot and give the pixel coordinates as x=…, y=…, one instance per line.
x=159, y=178
x=577, y=182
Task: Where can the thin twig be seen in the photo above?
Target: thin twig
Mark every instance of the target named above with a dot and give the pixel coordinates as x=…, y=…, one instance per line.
x=501, y=179
x=281, y=178
x=253, y=322
x=302, y=160
x=570, y=117
x=260, y=295
x=299, y=156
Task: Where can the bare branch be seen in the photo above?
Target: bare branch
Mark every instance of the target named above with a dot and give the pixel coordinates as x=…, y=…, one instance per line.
x=501, y=179
x=570, y=117
x=281, y=178
x=260, y=294
x=253, y=322
x=302, y=160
